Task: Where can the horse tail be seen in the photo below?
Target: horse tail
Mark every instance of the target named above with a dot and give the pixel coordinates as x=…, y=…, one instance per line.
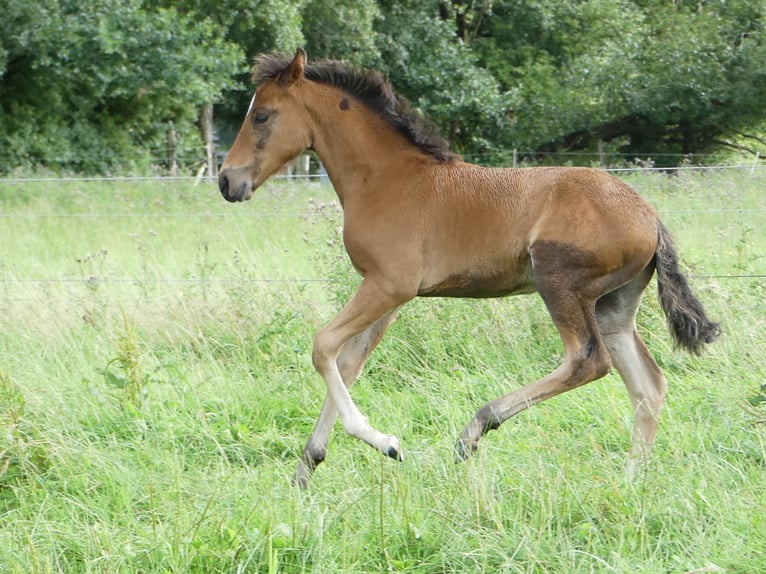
x=687, y=321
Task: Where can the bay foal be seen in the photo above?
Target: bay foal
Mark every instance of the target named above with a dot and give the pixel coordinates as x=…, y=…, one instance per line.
x=420, y=222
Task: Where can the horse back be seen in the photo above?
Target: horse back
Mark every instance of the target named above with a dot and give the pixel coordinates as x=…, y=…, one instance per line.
x=461, y=230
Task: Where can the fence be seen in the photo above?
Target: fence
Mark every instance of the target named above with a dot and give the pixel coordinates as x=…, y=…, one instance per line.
x=57, y=184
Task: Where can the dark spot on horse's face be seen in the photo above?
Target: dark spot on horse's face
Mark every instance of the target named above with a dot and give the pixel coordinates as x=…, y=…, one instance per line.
x=262, y=122
x=344, y=105
x=263, y=133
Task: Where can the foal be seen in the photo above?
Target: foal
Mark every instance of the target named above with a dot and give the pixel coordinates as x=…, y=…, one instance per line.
x=420, y=222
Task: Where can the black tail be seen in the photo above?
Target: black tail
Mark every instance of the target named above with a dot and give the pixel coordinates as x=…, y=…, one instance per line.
x=687, y=321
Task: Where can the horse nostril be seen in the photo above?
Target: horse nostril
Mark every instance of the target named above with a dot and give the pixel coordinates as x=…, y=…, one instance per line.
x=223, y=185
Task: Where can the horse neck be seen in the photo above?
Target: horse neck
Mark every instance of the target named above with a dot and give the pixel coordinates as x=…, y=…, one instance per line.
x=353, y=142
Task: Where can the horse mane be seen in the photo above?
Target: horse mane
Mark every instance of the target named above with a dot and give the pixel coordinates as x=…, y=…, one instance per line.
x=369, y=87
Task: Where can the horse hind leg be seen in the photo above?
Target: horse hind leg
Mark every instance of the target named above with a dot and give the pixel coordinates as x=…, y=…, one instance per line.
x=585, y=359
x=646, y=385
x=350, y=362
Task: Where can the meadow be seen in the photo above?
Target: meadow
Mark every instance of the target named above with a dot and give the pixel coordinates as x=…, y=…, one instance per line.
x=156, y=390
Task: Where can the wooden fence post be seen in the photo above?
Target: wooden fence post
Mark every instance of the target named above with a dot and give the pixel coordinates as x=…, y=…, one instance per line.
x=206, y=126
x=172, y=158
x=601, y=154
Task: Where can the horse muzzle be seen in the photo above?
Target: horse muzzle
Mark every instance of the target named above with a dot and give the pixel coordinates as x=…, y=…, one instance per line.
x=235, y=184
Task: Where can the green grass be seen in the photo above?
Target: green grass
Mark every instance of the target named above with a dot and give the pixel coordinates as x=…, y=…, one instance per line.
x=156, y=390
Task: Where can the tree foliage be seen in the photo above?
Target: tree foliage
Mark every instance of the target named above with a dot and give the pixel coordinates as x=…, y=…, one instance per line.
x=91, y=86
x=650, y=76
x=94, y=86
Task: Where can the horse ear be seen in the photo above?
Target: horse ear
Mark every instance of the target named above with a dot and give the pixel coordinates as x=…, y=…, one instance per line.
x=295, y=71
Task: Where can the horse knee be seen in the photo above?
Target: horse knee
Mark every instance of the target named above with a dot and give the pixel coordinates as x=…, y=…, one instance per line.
x=323, y=352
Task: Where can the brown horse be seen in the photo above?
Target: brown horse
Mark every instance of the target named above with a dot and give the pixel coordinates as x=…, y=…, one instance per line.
x=420, y=222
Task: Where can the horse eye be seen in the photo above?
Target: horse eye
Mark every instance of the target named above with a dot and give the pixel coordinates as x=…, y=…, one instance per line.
x=260, y=118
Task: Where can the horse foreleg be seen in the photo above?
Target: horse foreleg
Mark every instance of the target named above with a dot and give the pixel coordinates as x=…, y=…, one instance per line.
x=370, y=304
x=350, y=361
x=316, y=447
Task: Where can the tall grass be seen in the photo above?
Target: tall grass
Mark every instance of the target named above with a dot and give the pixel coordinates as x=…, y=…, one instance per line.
x=156, y=390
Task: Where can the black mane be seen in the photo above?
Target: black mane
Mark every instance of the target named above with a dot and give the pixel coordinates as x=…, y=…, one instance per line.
x=369, y=87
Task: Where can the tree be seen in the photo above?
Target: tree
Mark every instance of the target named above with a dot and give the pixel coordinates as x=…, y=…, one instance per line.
x=255, y=26
x=649, y=76
x=94, y=87
x=342, y=30
x=442, y=77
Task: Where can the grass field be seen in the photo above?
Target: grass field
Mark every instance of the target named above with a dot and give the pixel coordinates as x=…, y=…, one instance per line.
x=156, y=390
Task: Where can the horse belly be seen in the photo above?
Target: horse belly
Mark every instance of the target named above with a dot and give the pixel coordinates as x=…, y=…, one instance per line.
x=481, y=283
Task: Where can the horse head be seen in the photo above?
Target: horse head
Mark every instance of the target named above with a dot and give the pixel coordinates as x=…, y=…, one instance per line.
x=274, y=131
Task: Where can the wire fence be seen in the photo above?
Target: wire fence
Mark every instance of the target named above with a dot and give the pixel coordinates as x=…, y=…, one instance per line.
x=56, y=186
x=194, y=156
x=755, y=166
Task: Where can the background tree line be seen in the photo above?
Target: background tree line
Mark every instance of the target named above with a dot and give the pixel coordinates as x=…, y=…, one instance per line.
x=94, y=86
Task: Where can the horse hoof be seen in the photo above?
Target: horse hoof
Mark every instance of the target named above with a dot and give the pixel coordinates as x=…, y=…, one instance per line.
x=301, y=478
x=393, y=452
x=464, y=450
x=301, y=481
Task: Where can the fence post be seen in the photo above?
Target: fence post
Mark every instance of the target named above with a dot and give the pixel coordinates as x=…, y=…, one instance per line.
x=601, y=154
x=302, y=165
x=172, y=158
x=515, y=157
x=206, y=126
